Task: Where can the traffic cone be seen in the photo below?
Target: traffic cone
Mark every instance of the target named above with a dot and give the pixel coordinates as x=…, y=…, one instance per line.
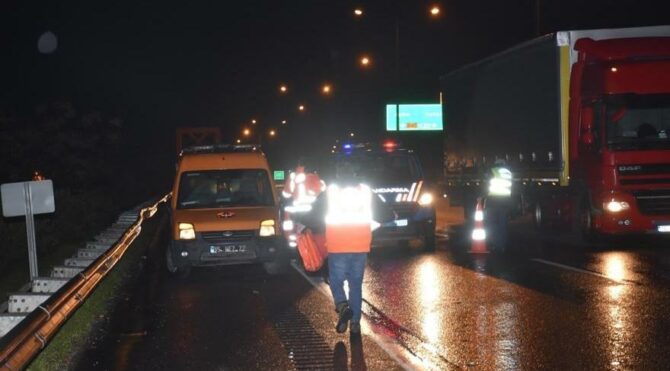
x=478, y=245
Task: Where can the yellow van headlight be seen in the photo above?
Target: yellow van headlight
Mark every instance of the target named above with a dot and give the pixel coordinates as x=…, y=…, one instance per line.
x=267, y=228
x=186, y=231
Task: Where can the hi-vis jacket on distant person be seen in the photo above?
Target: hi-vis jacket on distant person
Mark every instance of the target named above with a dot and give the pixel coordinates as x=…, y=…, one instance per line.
x=500, y=183
x=302, y=188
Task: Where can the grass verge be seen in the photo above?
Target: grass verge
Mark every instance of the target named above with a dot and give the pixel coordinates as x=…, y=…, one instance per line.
x=68, y=342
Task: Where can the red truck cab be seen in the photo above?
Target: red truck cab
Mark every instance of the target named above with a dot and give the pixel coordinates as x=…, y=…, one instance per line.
x=620, y=144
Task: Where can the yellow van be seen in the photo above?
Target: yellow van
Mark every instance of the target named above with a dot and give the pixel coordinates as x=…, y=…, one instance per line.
x=225, y=210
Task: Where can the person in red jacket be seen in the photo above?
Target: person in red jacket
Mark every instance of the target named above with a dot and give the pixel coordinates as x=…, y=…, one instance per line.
x=300, y=191
x=302, y=188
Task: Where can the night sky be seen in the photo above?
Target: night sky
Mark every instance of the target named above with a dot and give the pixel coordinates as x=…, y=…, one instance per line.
x=164, y=64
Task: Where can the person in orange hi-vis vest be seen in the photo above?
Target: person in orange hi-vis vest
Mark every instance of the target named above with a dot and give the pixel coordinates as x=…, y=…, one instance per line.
x=348, y=228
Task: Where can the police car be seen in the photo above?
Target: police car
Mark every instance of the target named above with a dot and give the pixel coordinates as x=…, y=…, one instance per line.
x=396, y=177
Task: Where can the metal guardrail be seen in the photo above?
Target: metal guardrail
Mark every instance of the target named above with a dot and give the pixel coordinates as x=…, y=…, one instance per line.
x=29, y=337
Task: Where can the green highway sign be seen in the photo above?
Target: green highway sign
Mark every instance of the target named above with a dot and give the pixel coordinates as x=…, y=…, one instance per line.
x=414, y=117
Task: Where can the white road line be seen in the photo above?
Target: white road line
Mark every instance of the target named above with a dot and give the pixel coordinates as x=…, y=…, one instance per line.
x=580, y=270
x=382, y=341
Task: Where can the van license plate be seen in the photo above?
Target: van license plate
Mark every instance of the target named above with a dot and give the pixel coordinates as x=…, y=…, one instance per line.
x=227, y=249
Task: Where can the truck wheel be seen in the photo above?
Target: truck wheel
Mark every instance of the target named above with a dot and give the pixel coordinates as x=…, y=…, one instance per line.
x=173, y=268
x=585, y=220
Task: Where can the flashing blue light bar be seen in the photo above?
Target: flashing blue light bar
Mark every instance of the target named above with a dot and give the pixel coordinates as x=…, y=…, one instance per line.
x=347, y=146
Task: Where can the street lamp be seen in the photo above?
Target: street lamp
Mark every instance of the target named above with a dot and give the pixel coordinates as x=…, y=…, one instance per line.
x=358, y=12
x=272, y=132
x=253, y=121
x=365, y=61
x=283, y=122
x=434, y=11
x=326, y=89
x=238, y=141
x=301, y=107
x=283, y=88
x=246, y=132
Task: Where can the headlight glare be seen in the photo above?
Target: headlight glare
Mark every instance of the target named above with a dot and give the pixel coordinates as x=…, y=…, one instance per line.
x=287, y=225
x=267, y=228
x=426, y=199
x=186, y=231
x=615, y=206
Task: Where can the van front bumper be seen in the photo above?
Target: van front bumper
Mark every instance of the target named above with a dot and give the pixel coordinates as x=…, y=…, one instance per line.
x=199, y=252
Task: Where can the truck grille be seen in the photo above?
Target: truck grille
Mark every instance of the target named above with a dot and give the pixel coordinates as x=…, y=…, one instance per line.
x=636, y=181
x=648, y=169
x=228, y=236
x=653, y=202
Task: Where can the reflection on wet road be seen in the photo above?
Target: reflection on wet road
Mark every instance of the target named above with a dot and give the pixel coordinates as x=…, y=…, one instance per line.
x=542, y=306
x=547, y=304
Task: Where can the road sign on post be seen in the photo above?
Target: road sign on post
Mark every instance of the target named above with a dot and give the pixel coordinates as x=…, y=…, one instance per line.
x=28, y=198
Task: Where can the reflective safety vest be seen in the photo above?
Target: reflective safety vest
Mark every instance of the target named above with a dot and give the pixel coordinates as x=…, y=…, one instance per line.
x=500, y=184
x=349, y=219
x=303, y=188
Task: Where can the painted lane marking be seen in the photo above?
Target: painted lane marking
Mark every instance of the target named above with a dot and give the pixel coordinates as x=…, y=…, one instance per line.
x=585, y=271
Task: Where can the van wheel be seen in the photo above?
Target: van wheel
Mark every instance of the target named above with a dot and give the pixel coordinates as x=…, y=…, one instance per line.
x=172, y=268
x=276, y=267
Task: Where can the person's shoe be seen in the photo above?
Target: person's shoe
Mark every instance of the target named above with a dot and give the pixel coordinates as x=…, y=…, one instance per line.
x=345, y=315
x=355, y=328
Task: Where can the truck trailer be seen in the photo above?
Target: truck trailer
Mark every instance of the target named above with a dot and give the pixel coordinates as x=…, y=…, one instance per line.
x=582, y=120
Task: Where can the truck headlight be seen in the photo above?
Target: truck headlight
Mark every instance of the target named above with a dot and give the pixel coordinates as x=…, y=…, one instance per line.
x=186, y=231
x=426, y=199
x=615, y=206
x=267, y=228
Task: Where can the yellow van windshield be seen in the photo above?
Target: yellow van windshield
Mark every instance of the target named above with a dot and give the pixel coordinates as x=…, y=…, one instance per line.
x=224, y=188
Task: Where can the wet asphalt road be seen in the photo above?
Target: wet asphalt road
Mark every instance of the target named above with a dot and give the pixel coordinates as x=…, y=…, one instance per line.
x=549, y=303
